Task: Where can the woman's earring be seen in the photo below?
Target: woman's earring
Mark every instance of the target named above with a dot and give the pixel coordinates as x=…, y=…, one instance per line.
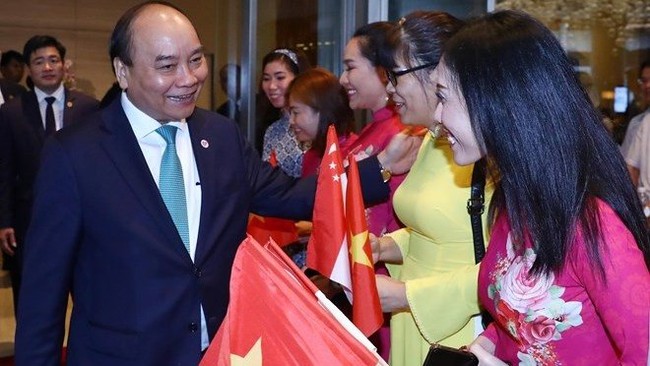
x=437, y=130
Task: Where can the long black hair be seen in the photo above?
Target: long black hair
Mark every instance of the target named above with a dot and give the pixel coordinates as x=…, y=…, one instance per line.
x=552, y=155
x=418, y=39
x=374, y=43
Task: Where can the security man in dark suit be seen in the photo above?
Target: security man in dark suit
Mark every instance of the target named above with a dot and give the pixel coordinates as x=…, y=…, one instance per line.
x=12, y=68
x=25, y=122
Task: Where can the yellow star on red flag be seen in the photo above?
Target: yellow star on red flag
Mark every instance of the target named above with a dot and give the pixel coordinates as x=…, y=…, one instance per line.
x=366, y=309
x=252, y=358
x=357, y=249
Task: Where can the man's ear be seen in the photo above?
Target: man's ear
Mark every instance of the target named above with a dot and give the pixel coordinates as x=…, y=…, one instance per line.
x=121, y=73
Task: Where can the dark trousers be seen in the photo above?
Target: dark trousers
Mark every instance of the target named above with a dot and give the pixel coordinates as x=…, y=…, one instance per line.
x=14, y=265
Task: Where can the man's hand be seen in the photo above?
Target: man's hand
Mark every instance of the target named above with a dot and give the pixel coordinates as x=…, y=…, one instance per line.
x=401, y=152
x=392, y=294
x=303, y=228
x=7, y=240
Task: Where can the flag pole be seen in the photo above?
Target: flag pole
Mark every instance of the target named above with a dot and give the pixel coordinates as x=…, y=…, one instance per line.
x=348, y=325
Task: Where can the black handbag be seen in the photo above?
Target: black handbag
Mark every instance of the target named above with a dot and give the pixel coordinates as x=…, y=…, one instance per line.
x=440, y=355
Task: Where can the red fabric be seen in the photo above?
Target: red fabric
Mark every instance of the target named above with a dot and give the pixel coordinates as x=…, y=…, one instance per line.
x=337, y=233
x=366, y=309
x=310, y=162
x=261, y=228
x=312, y=159
x=273, y=158
x=327, y=248
x=274, y=317
x=381, y=217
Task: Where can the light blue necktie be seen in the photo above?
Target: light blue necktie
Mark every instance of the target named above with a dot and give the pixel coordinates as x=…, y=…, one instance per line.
x=172, y=187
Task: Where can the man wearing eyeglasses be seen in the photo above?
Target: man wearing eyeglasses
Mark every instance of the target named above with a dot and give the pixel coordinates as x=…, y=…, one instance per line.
x=25, y=122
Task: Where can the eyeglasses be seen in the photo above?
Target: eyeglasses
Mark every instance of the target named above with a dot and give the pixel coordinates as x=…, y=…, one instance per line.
x=393, y=75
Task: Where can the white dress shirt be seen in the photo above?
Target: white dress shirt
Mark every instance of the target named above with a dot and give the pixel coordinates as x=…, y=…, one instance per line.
x=153, y=145
x=57, y=106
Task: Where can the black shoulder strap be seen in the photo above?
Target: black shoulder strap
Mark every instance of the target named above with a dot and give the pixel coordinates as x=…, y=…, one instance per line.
x=475, y=207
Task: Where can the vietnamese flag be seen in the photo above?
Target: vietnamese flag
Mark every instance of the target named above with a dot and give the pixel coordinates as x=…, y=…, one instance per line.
x=276, y=316
x=327, y=250
x=366, y=309
x=262, y=228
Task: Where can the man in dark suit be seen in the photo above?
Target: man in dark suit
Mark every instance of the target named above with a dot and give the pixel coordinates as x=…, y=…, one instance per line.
x=12, y=66
x=23, y=125
x=148, y=266
x=229, y=77
x=12, y=69
x=9, y=90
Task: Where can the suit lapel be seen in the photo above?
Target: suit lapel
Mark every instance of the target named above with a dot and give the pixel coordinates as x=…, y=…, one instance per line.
x=204, y=153
x=122, y=146
x=32, y=114
x=68, y=105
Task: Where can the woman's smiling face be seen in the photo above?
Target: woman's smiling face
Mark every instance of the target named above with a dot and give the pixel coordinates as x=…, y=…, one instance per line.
x=304, y=120
x=415, y=100
x=361, y=80
x=275, y=80
x=452, y=112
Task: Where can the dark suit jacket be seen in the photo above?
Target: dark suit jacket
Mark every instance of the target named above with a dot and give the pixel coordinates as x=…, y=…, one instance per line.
x=10, y=90
x=136, y=291
x=228, y=107
x=21, y=140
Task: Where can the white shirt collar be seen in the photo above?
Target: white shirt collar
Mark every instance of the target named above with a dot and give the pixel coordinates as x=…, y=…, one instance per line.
x=59, y=94
x=141, y=123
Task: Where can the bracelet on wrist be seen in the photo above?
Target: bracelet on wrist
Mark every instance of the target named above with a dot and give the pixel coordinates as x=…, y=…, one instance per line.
x=386, y=174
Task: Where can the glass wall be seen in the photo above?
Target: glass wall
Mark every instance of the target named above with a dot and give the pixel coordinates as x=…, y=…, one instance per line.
x=607, y=40
x=313, y=27
x=320, y=28
x=250, y=29
x=461, y=9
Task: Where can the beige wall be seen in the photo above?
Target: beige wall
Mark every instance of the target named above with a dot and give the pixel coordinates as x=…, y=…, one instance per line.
x=84, y=27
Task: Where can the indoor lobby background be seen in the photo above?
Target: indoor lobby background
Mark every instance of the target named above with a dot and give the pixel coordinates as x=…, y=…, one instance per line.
x=608, y=39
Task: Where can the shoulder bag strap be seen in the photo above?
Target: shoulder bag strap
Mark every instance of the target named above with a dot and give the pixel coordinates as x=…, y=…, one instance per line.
x=475, y=207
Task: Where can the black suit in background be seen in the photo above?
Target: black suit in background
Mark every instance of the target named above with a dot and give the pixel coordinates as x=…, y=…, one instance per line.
x=21, y=139
x=229, y=109
x=10, y=90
